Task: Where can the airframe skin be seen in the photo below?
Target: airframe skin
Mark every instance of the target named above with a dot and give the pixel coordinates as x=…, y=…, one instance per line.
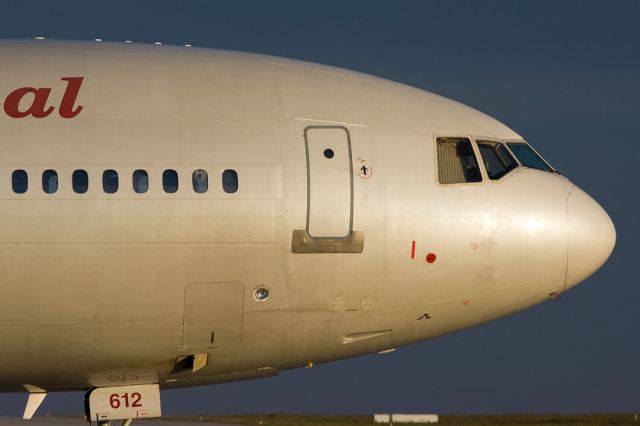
x=312, y=259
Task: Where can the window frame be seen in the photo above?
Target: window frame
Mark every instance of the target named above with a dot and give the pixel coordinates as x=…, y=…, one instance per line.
x=479, y=139
x=476, y=153
x=544, y=160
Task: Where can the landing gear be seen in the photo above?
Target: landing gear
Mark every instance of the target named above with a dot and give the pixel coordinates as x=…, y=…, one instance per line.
x=125, y=422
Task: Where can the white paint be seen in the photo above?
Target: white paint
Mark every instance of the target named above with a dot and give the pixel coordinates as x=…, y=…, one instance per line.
x=124, y=402
x=104, y=277
x=33, y=403
x=405, y=418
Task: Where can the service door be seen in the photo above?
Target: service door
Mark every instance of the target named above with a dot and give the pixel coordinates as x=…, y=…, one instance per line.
x=212, y=314
x=329, y=182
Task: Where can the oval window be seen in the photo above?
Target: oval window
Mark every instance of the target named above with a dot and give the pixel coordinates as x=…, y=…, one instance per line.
x=110, y=181
x=200, y=180
x=50, y=181
x=140, y=181
x=170, y=181
x=20, y=181
x=80, y=181
x=230, y=181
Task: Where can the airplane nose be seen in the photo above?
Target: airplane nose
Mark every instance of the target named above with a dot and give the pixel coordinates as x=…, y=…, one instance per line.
x=592, y=237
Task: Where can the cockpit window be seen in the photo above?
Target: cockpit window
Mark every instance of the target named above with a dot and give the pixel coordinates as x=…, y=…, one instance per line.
x=456, y=161
x=528, y=156
x=497, y=159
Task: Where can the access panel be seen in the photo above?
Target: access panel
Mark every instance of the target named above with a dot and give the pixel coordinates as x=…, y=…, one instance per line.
x=329, y=182
x=213, y=314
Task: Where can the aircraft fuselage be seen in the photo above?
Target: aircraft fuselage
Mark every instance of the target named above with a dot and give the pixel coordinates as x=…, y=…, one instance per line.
x=340, y=238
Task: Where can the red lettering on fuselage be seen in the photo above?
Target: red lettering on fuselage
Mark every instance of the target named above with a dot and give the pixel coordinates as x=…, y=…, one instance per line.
x=39, y=107
x=69, y=99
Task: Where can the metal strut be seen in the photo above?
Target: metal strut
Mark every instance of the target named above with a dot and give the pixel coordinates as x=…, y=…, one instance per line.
x=36, y=396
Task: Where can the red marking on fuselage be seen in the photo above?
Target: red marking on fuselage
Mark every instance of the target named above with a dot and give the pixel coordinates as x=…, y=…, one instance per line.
x=413, y=249
x=70, y=96
x=38, y=107
x=431, y=257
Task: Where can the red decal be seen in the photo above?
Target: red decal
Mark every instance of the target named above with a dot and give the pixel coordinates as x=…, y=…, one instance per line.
x=431, y=257
x=70, y=96
x=413, y=249
x=39, y=98
x=133, y=400
x=136, y=399
x=114, y=402
x=38, y=105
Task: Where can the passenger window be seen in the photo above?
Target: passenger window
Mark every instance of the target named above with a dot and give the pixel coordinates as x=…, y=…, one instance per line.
x=80, y=181
x=50, y=181
x=19, y=181
x=230, y=181
x=497, y=159
x=200, y=181
x=456, y=161
x=110, y=181
x=528, y=157
x=140, y=181
x=170, y=181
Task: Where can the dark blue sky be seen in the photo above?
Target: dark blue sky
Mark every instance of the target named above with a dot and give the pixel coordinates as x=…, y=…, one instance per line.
x=564, y=74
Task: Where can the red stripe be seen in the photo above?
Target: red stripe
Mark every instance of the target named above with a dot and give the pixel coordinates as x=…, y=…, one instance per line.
x=413, y=249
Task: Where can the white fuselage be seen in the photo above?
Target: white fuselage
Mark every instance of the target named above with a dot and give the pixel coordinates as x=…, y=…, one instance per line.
x=102, y=289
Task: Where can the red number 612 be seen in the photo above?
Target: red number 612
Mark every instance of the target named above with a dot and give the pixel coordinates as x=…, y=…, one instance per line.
x=133, y=401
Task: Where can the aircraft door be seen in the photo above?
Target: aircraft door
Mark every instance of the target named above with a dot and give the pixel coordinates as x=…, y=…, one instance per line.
x=329, y=182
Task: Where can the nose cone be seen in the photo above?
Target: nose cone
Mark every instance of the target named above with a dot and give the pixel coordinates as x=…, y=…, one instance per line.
x=591, y=237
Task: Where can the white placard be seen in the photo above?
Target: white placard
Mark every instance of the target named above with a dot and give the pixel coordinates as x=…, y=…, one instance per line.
x=125, y=402
x=405, y=418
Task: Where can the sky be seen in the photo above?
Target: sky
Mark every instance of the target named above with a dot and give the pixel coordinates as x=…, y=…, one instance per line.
x=564, y=74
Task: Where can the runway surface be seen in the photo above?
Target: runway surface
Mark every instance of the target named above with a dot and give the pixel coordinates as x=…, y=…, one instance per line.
x=79, y=421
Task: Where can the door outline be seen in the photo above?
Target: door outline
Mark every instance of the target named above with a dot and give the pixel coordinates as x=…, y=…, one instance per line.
x=190, y=317
x=306, y=146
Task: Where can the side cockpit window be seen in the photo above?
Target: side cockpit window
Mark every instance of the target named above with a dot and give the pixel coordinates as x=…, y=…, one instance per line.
x=456, y=161
x=497, y=159
x=528, y=157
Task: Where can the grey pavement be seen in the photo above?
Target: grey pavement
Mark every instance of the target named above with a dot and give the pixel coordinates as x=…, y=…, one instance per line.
x=79, y=421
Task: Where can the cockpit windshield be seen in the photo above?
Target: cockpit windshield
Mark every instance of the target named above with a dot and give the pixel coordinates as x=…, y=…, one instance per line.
x=497, y=159
x=528, y=157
